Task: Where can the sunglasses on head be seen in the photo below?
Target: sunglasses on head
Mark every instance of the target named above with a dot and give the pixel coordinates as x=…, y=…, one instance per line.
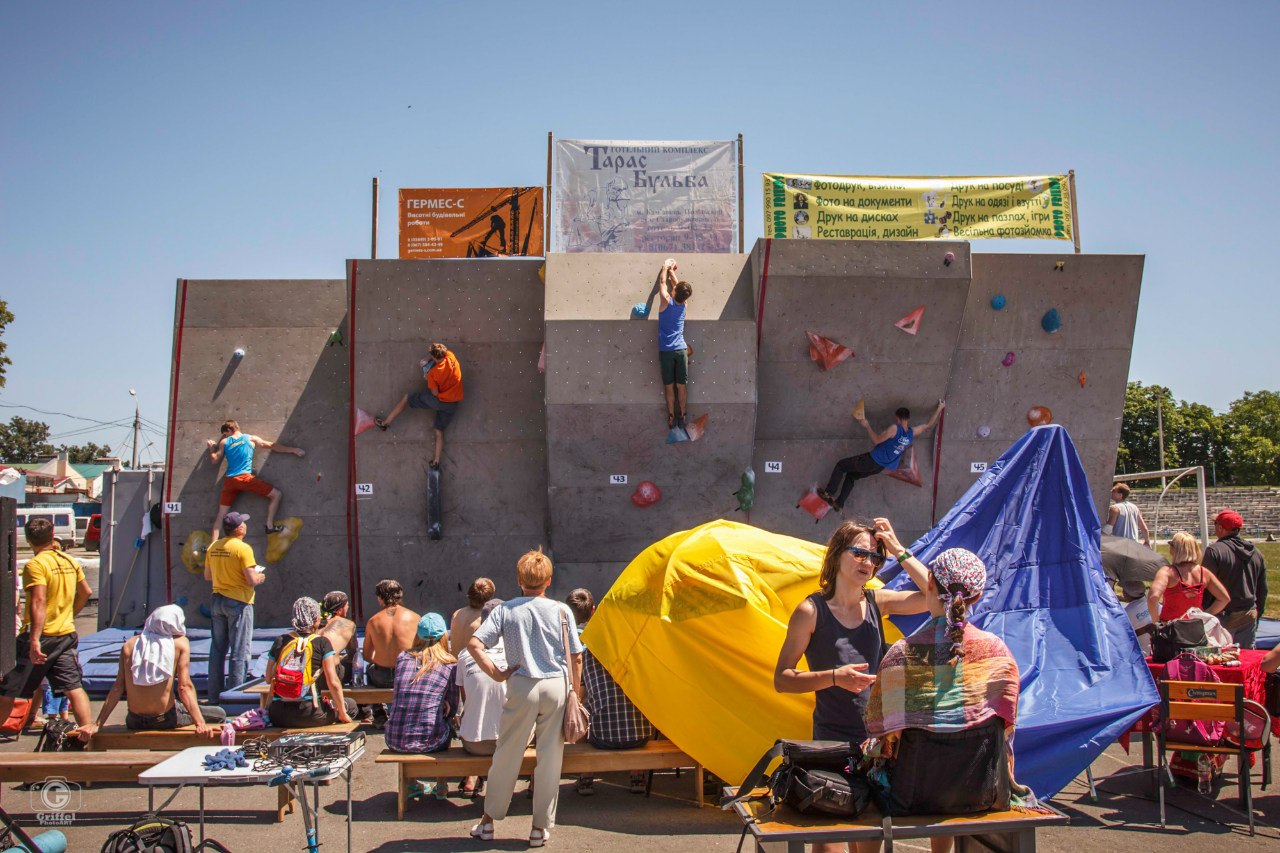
x=875, y=558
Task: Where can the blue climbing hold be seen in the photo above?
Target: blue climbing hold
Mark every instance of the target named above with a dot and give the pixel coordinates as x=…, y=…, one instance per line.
x=1051, y=321
x=181, y=601
x=998, y=302
x=205, y=611
x=640, y=310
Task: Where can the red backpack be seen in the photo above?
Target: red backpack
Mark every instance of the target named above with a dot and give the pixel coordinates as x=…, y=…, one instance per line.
x=1188, y=667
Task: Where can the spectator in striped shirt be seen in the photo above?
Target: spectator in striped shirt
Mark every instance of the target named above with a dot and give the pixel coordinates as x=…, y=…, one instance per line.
x=615, y=722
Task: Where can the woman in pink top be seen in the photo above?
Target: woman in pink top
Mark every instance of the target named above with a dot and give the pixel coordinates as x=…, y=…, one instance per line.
x=1180, y=587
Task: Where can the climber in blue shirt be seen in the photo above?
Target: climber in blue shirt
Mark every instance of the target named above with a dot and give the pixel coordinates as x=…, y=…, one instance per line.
x=890, y=444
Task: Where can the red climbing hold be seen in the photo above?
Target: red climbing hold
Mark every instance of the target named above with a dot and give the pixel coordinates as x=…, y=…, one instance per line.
x=907, y=471
x=364, y=421
x=911, y=323
x=646, y=494
x=814, y=505
x=697, y=428
x=825, y=351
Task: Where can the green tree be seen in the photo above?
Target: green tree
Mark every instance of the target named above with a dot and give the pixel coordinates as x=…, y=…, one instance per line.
x=84, y=453
x=1253, y=426
x=24, y=441
x=1200, y=439
x=6, y=317
x=1139, y=430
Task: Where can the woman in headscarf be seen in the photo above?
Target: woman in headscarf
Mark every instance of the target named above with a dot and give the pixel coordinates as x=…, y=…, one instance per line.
x=947, y=676
x=294, y=667
x=152, y=665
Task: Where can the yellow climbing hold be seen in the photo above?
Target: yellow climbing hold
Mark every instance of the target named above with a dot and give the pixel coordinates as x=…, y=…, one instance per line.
x=193, y=551
x=278, y=544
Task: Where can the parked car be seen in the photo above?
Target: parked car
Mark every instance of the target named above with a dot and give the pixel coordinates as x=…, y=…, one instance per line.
x=64, y=524
x=93, y=533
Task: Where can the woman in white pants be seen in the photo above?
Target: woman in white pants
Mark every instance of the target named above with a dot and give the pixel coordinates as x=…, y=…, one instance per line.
x=531, y=628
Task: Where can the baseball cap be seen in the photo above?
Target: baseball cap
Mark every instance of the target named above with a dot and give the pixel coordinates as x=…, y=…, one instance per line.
x=1229, y=519
x=232, y=520
x=431, y=627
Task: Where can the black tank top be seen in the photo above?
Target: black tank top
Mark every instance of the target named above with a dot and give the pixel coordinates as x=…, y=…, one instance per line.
x=838, y=713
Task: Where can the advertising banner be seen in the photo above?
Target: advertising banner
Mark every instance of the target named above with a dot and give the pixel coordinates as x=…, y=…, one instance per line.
x=629, y=196
x=472, y=223
x=849, y=207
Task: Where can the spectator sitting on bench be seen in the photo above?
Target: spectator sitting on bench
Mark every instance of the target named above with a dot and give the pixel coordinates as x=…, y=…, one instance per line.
x=482, y=700
x=388, y=632
x=947, y=676
x=615, y=722
x=426, y=696
x=152, y=665
x=340, y=632
x=294, y=666
x=462, y=625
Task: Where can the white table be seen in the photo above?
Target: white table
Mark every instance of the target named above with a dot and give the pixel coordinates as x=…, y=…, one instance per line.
x=187, y=768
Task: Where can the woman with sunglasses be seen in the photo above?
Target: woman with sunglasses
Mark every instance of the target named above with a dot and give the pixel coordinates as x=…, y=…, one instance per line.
x=838, y=631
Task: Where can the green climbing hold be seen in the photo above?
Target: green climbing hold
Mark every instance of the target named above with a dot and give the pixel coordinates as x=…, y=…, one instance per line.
x=746, y=493
x=335, y=339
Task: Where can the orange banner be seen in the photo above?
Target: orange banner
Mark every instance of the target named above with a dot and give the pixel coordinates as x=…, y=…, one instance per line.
x=471, y=223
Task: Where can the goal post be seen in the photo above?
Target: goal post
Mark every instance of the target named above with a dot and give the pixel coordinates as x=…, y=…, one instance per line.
x=1177, y=474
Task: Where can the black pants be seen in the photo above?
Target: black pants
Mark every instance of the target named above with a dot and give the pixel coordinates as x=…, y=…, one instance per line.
x=380, y=676
x=305, y=715
x=850, y=470
x=61, y=667
x=175, y=718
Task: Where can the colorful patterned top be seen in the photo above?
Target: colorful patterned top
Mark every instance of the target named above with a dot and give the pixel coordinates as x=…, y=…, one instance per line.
x=419, y=717
x=917, y=688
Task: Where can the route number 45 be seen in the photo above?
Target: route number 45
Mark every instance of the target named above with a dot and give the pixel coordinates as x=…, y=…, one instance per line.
x=977, y=467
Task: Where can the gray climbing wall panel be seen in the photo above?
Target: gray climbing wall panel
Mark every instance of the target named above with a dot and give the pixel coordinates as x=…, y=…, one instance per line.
x=493, y=471
x=291, y=386
x=606, y=412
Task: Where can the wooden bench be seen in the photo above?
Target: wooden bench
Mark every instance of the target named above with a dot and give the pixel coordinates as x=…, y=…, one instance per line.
x=1012, y=831
x=578, y=758
x=359, y=695
x=120, y=766
x=119, y=737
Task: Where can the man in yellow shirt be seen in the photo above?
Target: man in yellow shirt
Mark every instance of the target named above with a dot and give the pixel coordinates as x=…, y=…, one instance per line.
x=234, y=571
x=55, y=592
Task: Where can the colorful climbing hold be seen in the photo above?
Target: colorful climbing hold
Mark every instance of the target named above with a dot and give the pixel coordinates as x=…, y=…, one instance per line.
x=911, y=323
x=1082, y=378
x=1059, y=266
x=860, y=410
x=1039, y=415
x=949, y=258
x=1051, y=321
x=1009, y=359
x=746, y=493
x=646, y=494
x=205, y=611
x=998, y=302
x=984, y=431
x=639, y=311
x=825, y=351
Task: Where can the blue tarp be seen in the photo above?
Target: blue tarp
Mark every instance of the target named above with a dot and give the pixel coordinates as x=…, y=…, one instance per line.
x=1031, y=519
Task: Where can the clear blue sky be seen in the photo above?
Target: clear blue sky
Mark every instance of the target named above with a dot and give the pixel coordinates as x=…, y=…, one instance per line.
x=144, y=142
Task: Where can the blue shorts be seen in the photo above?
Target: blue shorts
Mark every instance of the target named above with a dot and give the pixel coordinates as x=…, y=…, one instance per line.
x=424, y=399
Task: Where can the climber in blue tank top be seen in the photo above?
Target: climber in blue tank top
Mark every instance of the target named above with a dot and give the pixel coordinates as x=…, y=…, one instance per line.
x=673, y=351
x=890, y=444
x=237, y=448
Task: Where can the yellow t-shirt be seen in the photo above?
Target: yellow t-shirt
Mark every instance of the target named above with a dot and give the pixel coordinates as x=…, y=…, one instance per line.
x=228, y=558
x=60, y=575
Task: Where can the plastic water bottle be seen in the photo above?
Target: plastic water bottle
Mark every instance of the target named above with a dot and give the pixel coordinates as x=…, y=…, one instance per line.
x=357, y=678
x=1204, y=775
x=228, y=734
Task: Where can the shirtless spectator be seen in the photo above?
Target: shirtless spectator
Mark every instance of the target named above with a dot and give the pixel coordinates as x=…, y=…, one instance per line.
x=151, y=665
x=390, y=631
x=340, y=632
x=466, y=619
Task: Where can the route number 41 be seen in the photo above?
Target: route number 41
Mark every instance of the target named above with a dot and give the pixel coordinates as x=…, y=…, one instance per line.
x=173, y=507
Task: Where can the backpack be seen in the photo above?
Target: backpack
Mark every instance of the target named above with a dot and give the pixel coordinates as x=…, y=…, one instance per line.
x=153, y=834
x=815, y=777
x=58, y=736
x=947, y=773
x=295, y=678
x=1170, y=639
x=1188, y=667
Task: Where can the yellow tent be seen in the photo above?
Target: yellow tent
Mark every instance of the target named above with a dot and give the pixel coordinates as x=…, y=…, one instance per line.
x=691, y=632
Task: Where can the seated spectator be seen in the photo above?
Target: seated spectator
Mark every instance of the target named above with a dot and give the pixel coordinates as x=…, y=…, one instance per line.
x=153, y=666
x=615, y=722
x=1181, y=586
x=426, y=697
x=482, y=700
x=340, y=632
x=947, y=676
x=465, y=620
x=294, y=667
x=388, y=632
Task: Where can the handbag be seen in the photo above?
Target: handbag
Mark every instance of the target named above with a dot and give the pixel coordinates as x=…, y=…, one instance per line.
x=576, y=718
x=815, y=777
x=948, y=773
x=1171, y=639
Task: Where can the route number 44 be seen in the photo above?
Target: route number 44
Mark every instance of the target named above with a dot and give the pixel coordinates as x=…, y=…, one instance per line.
x=773, y=467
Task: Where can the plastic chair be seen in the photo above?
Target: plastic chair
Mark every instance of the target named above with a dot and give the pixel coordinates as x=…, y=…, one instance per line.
x=1203, y=700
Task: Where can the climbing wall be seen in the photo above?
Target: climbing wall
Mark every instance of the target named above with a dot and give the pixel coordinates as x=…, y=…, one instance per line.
x=606, y=414
x=1078, y=371
x=289, y=386
x=852, y=293
x=493, y=471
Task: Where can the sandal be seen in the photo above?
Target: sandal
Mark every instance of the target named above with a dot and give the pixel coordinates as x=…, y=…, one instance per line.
x=671, y=420
x=483, y=830
x=539, y=837
x=380, y=424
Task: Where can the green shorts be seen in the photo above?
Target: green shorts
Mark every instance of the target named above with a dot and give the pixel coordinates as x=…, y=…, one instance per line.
x=675, y=366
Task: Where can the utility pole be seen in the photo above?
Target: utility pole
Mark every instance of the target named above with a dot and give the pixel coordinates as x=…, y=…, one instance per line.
x=136, y=425
x=1160, y=427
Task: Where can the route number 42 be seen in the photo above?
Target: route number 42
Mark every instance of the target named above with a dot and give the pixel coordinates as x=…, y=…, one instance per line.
x=364, y=490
